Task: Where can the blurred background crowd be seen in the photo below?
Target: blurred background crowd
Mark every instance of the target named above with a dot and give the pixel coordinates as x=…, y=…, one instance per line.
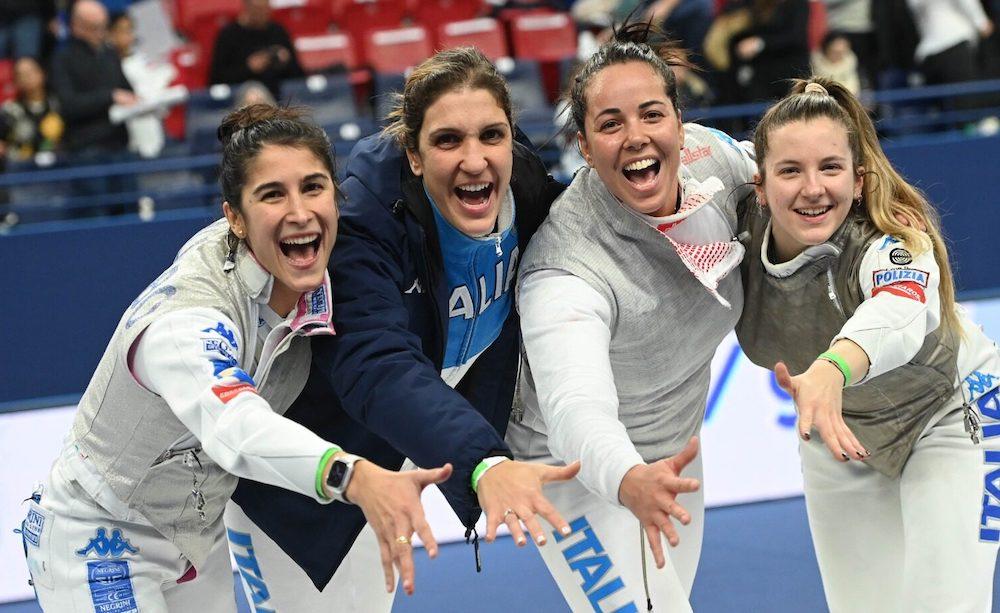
x=120, y=100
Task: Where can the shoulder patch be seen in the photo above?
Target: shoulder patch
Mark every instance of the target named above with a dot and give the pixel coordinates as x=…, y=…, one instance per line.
x=888, y=276
x=900, y=256
x=888, y=240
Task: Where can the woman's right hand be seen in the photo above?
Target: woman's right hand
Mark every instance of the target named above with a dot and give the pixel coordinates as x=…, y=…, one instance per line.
x=650, y=492
x=390, y=501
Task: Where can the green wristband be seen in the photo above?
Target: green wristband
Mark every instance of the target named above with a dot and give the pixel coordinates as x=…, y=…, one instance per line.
x=839, y=362
x=319, y=471
x=477, y=473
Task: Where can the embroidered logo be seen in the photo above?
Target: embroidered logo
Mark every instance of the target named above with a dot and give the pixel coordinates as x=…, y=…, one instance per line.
x=111, y=589
x=980, y=383
x=105, y=547
x=232, y=382
x=889, y=276
x=900, y=256
x=31, y=529
x=903, y=289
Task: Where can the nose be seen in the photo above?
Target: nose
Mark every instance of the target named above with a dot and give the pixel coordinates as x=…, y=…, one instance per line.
x=635, y=135
x=297, y=212
x=473, y=158
x=813, y=188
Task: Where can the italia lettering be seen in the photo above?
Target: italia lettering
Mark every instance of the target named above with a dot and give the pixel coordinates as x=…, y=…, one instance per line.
x=586, y=556
x=250, y=570
x=989, y=519
x=462, y=304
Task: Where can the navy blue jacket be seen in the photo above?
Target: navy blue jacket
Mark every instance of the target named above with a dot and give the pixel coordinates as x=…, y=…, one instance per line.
x=375, y=388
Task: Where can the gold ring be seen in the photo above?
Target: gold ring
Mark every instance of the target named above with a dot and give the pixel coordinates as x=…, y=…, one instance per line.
x=403, y=540
x=508, y=512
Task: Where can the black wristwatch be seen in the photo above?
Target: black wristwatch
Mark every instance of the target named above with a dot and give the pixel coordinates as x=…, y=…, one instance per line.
x=339, y=476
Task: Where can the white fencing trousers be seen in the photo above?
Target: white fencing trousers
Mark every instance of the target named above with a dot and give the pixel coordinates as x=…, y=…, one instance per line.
x=272, y=581
x=86, y=558
x=909, y=544
x=606, y=565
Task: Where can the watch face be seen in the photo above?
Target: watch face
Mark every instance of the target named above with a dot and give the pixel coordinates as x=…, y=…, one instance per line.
x=337, y=473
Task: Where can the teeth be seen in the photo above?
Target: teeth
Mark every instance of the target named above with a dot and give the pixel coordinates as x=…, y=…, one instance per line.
x=301, y=240
x=639, y=165
x=813, y=212
x=474, y=188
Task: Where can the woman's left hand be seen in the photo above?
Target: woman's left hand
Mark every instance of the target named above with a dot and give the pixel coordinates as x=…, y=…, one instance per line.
x=818, y=394
x=511, y=493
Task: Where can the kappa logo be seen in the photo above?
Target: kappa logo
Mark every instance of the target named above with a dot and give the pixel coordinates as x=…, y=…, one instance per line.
x=889, y=240
x=415, y=288
x=889, y=276
x=900, y=256
x=225, y=333
x=104, y=547
x=980, y=382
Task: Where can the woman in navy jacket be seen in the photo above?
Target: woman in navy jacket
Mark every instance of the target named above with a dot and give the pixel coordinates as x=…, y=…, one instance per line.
x=425, y=359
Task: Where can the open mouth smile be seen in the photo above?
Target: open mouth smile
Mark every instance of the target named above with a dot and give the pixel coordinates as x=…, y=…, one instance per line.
x=474, y=195
x=301, y=250
x=642, y=173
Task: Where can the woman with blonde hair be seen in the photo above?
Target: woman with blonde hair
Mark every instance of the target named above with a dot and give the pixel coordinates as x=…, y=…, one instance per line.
x=894, y=378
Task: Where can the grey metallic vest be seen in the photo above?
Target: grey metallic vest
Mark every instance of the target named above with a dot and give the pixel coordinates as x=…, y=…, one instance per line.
x=127, y=432
x=665, y=324
x=793, y=319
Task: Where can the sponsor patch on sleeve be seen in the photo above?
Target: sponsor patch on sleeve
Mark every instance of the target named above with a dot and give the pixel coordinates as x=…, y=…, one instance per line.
x=889, y=276
x=220, y=348
x=900, y=256
x=903, y=289
x=232, y=382
x=887, y=241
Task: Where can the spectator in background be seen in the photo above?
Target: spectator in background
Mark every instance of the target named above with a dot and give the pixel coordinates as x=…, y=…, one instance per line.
x=775, y=47
x=853, y=20
x=31, y=120
x=950, y=31
x=252, y=92
x=148, y=80
x=22, y=24
x=87, y=79
x=836, y=60
x=254, y=47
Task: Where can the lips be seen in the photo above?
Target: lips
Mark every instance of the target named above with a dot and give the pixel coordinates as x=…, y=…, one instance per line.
x=475, y=197
x=301, y=249
x=813, y=214
x=642, y=173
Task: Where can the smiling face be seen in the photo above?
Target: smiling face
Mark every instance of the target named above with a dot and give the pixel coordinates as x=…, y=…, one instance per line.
x=288, y=218
x=465, y=155
x=810, y=182
x=634, y=137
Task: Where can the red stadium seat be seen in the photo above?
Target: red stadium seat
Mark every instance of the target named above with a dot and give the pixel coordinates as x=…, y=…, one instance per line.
x=320, y=53
x=303, y=17
x=190, y=16
x=544, y=38
x=484, y=33
x=432, y=14
x=394, y=51
x=7, y=89
x=817, y=23
x=359, y=17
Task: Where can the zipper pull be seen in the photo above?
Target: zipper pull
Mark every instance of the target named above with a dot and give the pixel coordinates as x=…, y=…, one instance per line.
x=499, y=249
x=475, y=546
x=971, y=423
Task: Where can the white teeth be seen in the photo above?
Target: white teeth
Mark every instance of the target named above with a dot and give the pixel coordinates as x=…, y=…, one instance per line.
x=300, y=240
x=639, y=165
x=813, y=212
x=474, y=188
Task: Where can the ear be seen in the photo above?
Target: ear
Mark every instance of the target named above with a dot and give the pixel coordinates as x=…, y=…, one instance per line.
x=416, y=165
x=581, y=142
x=758, y=188
x=236, y=223
x=859, y=182
x=680, y=129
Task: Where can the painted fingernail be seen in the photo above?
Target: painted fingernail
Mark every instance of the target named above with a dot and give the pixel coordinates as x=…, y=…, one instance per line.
x=565, y=530
x=805, y=436
x=521, y=541
x=541, y=540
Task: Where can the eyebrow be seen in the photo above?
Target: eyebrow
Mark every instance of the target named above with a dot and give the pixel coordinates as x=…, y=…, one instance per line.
x=451, y=130
x=278, y=185
x=645, y=105
x=829, y=158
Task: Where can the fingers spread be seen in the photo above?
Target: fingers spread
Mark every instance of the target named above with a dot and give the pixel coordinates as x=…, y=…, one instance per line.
x=655, y=544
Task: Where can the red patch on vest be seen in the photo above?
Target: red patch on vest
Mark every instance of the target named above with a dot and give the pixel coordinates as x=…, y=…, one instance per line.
x=227, y=391
x=903, y=289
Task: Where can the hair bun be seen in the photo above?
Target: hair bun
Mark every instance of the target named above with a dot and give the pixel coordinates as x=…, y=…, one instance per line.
x=815, y=88
x=254, y=114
